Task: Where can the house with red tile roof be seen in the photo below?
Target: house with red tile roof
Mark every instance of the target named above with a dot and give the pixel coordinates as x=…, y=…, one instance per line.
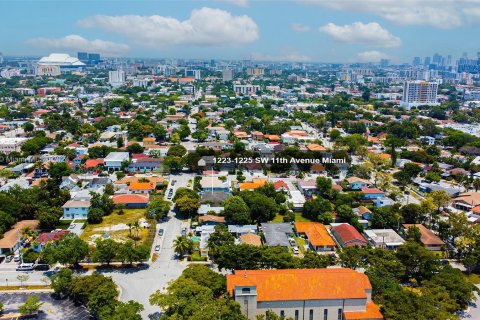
x=132, y=200
x=336, y=293
x=317, y=235
x=429, y=239
x=280, y=186
x=44, y=238
x=347, y=236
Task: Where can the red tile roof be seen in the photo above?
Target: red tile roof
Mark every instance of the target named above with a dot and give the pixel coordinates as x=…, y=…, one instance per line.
x=349, y=235
x=372, y=191
x=372, y=312
x=280, y=184
x=51, y=236
x=93, y=163
x=302, y=284
x=130, y=198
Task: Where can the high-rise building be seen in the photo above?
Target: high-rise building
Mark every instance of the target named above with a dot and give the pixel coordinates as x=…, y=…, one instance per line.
x=384, y=63
x=419, y=93
x=227, y=75
x=416, y=61
x=116, y=78
x=194, y=74
x=427, y=61
x=82, y=56
x=246, y=88
x=1, y=58
x=94, y=58
x=255, y=71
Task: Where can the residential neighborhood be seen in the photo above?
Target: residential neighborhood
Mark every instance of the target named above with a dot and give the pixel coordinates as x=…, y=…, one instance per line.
x=139, y=182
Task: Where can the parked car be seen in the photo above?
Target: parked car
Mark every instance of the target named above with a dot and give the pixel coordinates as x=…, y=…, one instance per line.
x=16, y=258
x=160, y=232
x=157, y=248
x=295, y=250
x=72, y=226
x=42, y=267
x=25, y=267
x=9, y=258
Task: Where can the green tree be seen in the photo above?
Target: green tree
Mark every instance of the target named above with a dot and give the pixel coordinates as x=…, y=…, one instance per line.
x=106, y=250
x=58, y=170
x=158, y=208
x=418, y=261
x=351, y=257
x=183, y=245
x=69, y=250
x=31, y=306
x=236, y=210
x=61, y=282
x=220, y=237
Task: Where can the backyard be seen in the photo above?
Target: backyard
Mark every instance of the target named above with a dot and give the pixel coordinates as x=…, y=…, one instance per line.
x=298, y=218
x=121, y=227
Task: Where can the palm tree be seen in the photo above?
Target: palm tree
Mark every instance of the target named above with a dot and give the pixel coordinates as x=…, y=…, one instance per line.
x=476, y=184
x=136, y=226
x=183, y=245
x=130, y=225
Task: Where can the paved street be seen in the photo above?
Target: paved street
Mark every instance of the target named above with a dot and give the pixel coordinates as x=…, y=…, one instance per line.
x=140, y=284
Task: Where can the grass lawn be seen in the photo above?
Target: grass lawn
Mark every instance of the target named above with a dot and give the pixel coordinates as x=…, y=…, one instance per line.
x=298, y=218
x=474, y=278
x=146, y=235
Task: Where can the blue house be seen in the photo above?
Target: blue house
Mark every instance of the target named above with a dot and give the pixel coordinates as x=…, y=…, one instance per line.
x=74, y=209
x=372, y=193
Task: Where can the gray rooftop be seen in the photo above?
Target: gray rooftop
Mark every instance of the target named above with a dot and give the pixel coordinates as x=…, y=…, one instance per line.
x=276, y=234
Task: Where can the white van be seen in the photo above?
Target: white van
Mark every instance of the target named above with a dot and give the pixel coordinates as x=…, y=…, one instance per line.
x=16, y=258
x=25, y=267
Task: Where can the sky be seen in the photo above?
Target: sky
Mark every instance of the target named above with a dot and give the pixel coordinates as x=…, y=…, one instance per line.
x=289, y=30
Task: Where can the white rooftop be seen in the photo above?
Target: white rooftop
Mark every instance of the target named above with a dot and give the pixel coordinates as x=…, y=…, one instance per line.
x=60, y=59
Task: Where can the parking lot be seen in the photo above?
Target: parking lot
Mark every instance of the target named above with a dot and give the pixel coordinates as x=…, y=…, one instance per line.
x=51, y=309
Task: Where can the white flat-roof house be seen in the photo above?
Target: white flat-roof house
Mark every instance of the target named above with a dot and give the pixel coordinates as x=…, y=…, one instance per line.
x=113, y=161
x=8, y=145
x=384, y=238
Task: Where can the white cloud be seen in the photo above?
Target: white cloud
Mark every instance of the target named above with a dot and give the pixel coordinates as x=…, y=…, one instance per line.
x=372, y=56
x=298, y=27
x=371, y=34
x=290, y=55
x=239, y=3
x=204, y=27
x=76, y=42
x=443, y=14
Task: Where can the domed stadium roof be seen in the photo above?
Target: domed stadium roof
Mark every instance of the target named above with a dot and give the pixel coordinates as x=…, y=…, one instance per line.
x=61, y=59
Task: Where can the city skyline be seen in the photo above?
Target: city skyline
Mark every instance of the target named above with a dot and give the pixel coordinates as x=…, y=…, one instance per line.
x=302, y=31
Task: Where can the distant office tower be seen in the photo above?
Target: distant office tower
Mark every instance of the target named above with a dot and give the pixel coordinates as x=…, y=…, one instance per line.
x=437, y=59
x=384, y=63
x=449, y=60
x=94, y=58
x=468, y=65
x=416, y=61
x=116, y=78
x=419, y=93
x=255, y=71
x=227, y=75
x=427, y=61
x=82, y=56
x=246, y=88
x=212, y=63
x=1, y=58
x=194, y=74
